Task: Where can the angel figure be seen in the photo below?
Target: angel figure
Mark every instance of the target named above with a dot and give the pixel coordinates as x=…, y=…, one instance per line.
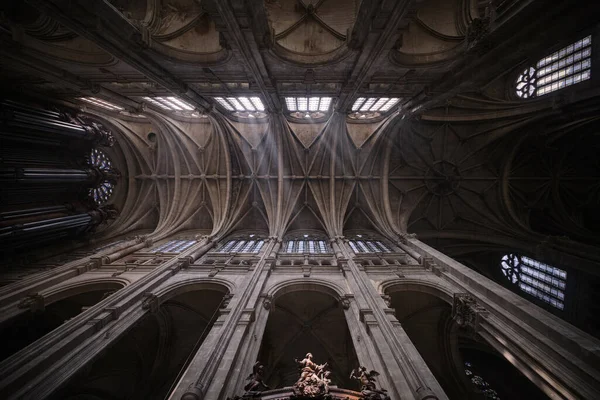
x=309, y=367
x=368, y=386
x=256, y=383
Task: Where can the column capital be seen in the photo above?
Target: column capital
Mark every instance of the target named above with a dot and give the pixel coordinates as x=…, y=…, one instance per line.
x=467, y=312
x=150, y=302
x=33, y=302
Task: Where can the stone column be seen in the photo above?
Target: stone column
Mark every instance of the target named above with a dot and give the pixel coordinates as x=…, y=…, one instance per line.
x=262, y=304
x=208, y=379
x=11, y=295
x=406, y=368
x=559, y=358
x=40, y=368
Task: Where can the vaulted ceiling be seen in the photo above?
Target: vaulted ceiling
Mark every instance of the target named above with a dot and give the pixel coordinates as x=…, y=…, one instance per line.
x=452, y=162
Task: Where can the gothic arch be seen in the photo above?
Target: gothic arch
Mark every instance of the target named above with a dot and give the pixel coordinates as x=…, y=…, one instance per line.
x=194, y=284
x=387, y=287
x=303, y=284
x=60, y=292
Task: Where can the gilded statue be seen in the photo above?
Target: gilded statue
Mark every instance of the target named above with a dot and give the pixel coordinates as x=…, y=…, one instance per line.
x=368, y=386
x=314, y=379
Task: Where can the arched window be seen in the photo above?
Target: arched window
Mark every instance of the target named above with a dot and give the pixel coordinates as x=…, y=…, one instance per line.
x=563, y=68
x=101, y=193
x=540, y=280
x=250, y=245
x=173, y=246
x=308, y=107
x=306, y=244
x=372, y=107
x=480, y=384
x=364, y=245
x=250, y=107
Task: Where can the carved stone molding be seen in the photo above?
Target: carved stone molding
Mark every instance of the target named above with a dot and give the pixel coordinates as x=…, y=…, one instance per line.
x=466, y=312
x=478, y=29
x=33, y=302
x=226, y=300
x=268, y=302
x=194, y=392
x=150, y=302
x=387, y=299
x=345, y=301
x=426, y=393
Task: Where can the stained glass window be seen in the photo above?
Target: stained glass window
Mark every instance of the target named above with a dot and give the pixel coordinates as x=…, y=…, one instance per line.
x=480, y=384
x=242, y=246
x=566, y=67
x=540, y=280
x=310, y=246
x=369, y=246
x=173, y=246
x=101, y=193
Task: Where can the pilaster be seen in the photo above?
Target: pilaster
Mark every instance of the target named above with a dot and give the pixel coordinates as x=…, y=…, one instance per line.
x=559, y=358
x=405, y=367
x=208, y=380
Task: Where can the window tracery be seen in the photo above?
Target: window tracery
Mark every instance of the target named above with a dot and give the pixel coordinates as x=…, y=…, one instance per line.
x=249, y=245
x=540, y=280
x=568, y=66
x=480, y=384
x=101, y=103
x=366, y=245
x=308, y=107
x=372, y=107
x=101, y=193
x=243, y=106
x=306, y=246
x=175, y=105
x=173, y=246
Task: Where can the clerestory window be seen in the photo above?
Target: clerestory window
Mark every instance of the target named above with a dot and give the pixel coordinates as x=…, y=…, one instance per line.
x=306, y=246
x=539, y=280
x=369, y=246
x=243, y=106
x=566, y=67
x=372, y=107
x=242, y=246
x=173, y=246
x=308, y=107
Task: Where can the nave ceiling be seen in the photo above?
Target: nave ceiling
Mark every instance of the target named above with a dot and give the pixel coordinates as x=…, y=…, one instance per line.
x=448, y=163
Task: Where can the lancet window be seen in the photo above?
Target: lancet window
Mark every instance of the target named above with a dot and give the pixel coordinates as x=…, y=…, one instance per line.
x=566, y=67
x=173, y=246
x=306, y=246
x=250, y=245
x=539, y=280
x=360, y=245
x=102, y=192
